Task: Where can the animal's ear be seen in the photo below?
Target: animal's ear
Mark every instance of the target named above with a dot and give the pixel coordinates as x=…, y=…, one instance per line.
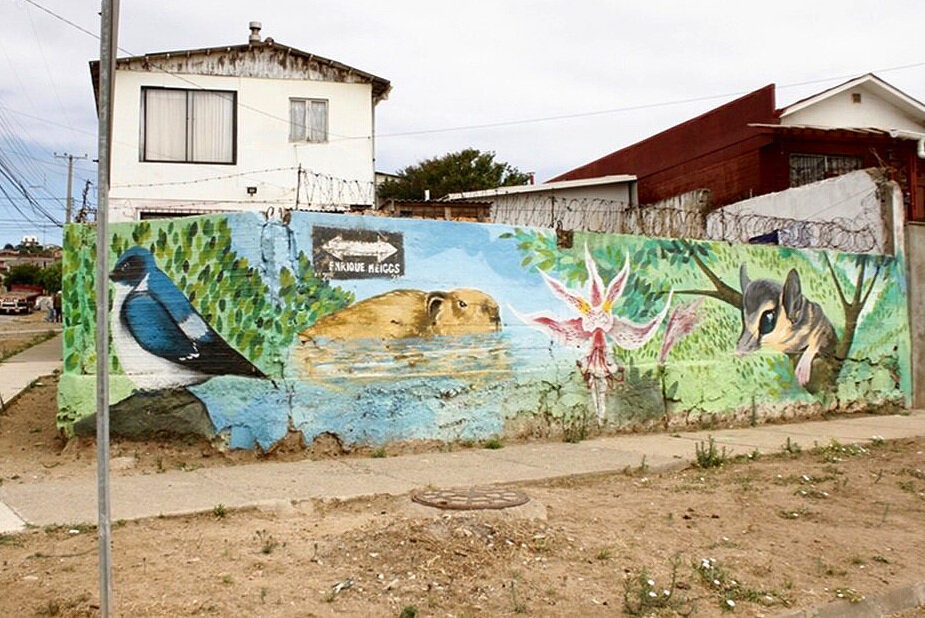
x=743, y=277
x=434, y=302
x=792, y=296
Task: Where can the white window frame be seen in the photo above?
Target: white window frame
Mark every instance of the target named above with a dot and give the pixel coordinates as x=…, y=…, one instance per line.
x=189, y=157
x=303, y=133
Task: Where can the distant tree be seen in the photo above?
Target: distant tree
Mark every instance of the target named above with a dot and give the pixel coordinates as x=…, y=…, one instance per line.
x=466, y=170
x=50, y=278
x=9, y=247
x=27, y=274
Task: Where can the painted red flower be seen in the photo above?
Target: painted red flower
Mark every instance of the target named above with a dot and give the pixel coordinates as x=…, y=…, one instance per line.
x=683, y=320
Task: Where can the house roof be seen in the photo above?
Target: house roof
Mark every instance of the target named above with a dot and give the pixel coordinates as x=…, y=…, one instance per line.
x=265, y=58
x=546, y=186
x=884, y=90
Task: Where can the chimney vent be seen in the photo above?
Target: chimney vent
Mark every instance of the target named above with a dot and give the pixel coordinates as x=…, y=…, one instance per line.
x=255, y=32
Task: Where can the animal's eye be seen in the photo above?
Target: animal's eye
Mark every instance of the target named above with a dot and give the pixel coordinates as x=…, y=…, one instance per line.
x=462, y=304
x=767, y=321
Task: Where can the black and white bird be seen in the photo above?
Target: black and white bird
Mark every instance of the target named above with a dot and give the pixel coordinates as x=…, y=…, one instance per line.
x=160, y=339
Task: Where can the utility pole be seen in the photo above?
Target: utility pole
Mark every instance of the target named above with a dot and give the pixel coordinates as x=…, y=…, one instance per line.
x=109, y=27
x=70, y=182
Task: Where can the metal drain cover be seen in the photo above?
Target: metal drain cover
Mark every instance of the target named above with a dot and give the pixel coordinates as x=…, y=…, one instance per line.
x=472, y=499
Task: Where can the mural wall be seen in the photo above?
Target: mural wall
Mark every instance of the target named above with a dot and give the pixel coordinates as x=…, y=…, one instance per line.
x=376, y=330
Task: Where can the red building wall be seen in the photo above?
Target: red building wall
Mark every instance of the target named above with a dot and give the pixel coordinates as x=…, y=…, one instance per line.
x=724, y=152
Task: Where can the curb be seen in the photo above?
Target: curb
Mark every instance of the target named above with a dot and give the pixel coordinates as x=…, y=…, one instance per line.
x=881, y=605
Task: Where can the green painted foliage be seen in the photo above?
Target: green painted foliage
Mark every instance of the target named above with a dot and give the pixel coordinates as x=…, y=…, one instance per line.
x=229, y=293
x=703, y=370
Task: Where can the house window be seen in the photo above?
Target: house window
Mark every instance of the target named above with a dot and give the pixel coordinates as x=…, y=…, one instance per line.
x=187, y=126
x=308, y=120
x=807, y=168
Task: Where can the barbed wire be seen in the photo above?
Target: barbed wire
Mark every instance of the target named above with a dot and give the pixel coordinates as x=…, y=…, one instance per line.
x=857, y=235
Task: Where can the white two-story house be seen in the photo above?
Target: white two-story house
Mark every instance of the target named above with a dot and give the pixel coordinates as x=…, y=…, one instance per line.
x=241, y=127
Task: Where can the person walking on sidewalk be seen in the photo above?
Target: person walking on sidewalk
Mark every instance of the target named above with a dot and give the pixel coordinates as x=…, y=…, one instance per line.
x=44, y=303
x=56, y=304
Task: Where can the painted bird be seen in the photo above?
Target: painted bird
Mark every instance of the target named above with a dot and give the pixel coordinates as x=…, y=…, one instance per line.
x=160, y=339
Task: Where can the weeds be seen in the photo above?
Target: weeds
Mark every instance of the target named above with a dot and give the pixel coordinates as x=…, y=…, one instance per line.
x=267, y=542
x=493, y=444
x=641, y=594
x=10, y=539
x=835, y=451
x=791, y=448
x=408, y=611
x=849, y=594
x=379, y=453
x=519, y=606
x=709, y=456
x=219, y=511
x=730, y=590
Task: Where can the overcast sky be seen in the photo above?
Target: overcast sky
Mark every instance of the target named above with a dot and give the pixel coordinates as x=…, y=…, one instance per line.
x=603, y=74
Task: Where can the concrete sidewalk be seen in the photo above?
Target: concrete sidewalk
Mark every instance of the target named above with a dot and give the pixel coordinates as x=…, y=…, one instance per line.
x=18, y=372
x=176, y=492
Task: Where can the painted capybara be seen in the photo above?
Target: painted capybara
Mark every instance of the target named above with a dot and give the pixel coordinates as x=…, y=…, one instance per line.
x=411, y=313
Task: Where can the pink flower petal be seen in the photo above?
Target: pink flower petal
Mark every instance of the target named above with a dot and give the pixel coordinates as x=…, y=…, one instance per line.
x=615, y=287
x=682, y=322
x=630, y=335
x=561, y=292
x=597, y=284
x=564, y=332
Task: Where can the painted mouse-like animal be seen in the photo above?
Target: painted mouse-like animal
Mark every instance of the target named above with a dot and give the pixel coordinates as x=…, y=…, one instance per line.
x=411, y=313
x=781, y=318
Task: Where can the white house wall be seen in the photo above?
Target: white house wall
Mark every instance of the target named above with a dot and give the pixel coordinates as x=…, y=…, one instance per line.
x=266, y=159
x=841, y=111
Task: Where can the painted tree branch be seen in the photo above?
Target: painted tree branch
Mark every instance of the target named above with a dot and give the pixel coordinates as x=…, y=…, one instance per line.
x=838, y=288
x=723, y=292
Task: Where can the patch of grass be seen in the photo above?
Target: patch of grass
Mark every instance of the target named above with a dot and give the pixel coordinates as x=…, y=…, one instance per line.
x=835, y=451
x=824, y=568
x=603, y=554
x=408, y=611
x=729, y=590
x=493, y=443
x=519, y=606
x=267, y=542
x=642, y=596
x=708, y=456
x=907, y=486
x=791, y=447
x=849, y=594
x=25, y=345
x=80, y=528
x=914, y=473
x=379, y=453
x=10, y=539
x=219, y=511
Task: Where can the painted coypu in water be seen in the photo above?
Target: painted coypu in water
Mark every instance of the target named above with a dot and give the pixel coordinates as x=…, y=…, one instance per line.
x=401, y=314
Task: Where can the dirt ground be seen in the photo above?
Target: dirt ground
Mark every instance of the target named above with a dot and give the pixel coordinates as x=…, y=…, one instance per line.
x=755, y=537
x=13, y=341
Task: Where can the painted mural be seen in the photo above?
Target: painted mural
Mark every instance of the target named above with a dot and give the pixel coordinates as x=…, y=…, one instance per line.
x=247, y=330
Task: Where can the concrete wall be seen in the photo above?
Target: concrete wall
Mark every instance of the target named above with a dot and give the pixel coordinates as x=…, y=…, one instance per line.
x=266, y=159
x=851, y=201
x=915, y=251
x=380, y=330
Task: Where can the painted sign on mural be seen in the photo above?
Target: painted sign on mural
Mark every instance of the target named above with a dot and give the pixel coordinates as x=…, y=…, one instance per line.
x=247, y=330
x=344, y=253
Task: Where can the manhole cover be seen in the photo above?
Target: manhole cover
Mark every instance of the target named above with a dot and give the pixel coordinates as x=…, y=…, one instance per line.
x=471, y=499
